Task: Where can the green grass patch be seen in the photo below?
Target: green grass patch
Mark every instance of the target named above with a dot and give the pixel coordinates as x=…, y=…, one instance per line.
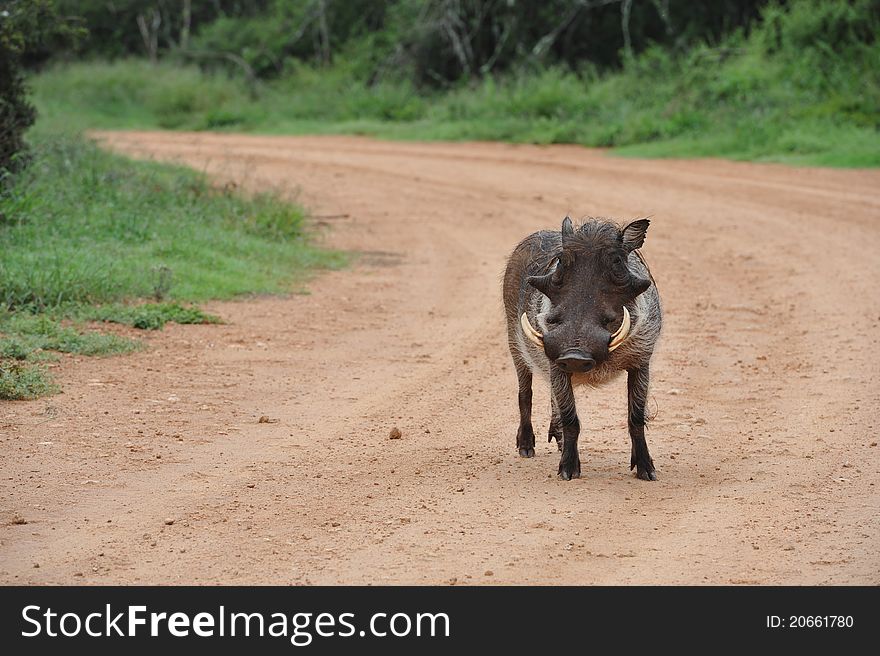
x=28, y=340
x=89, y=227
x=149, y=316
x=19, y=380
x=26, y=336
x=88, y=236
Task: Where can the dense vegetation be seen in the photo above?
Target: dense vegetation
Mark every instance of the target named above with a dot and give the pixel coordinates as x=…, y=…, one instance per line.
x=797, y=83
x=431, y=42
x=26, y=26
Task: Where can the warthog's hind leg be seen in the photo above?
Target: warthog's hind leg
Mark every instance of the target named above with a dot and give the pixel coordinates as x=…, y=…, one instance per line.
x=525, y=435
x=555, y=431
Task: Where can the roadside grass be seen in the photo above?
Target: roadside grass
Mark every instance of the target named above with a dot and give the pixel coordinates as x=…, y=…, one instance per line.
x=33, y=337
x=28, y=341
x=803, y=87
x=20, y=380
x=89, y=236
x=148, y=316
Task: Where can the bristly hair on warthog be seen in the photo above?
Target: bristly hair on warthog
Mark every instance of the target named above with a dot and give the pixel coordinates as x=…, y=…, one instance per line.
x=582, y=307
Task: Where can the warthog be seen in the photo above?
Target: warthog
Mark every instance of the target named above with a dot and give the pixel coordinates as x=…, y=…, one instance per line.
x=581, y=308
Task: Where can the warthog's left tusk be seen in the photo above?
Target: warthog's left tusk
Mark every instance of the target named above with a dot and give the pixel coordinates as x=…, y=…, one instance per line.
x=621, y=333
x=534, y=336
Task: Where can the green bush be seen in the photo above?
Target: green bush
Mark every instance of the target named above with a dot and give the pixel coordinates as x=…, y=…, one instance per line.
x=16, y=116
x=25, y=26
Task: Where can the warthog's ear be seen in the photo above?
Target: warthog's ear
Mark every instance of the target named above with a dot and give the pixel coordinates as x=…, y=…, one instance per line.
x=567, y=228
x=639, y=285
x=634, y=234
x=543, y=283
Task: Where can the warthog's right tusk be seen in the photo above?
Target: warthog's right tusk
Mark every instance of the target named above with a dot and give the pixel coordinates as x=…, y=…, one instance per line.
x=534, y=336
x=621, y=333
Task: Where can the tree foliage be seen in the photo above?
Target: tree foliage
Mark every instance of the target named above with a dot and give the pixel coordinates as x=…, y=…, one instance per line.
x=26, y=27
x=434, y=42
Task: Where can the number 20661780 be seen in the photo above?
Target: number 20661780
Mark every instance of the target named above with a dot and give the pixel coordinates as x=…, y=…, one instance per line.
x=810, y=622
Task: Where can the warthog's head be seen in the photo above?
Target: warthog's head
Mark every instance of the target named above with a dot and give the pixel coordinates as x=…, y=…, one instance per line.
x=588, y=284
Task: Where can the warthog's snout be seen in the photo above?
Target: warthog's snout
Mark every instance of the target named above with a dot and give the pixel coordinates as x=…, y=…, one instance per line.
x=575, y=362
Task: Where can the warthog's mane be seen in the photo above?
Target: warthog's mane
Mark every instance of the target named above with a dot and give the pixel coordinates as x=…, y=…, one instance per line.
x=593, y=234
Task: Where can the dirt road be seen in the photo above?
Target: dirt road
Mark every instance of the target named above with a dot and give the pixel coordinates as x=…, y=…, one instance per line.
x=153, y=468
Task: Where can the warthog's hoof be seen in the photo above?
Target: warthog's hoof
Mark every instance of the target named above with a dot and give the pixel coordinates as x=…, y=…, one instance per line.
x=646, y=474
x=526, y=452
x=555, y=433
x=567, y=475
x=569, y=468
x=643, y=464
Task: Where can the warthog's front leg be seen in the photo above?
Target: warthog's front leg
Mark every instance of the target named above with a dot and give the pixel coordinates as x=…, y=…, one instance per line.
x=525, y=435
x=563, y=396
x=637, y=393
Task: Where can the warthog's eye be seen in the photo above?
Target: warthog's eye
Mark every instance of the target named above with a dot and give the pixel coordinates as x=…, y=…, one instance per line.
x=619, y=271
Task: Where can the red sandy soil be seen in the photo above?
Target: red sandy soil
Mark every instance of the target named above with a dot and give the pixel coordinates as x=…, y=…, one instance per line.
x=154, y=467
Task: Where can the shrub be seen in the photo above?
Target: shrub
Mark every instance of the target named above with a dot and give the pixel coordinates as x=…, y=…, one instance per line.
x=25, y=25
